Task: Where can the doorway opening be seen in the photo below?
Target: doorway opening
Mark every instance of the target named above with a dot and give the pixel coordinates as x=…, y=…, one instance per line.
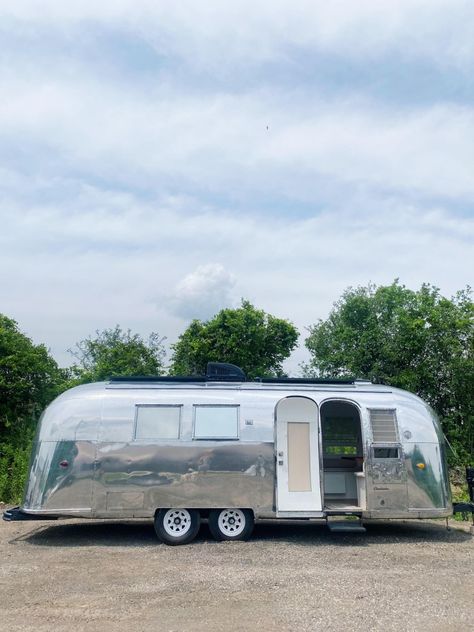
x=343, y=457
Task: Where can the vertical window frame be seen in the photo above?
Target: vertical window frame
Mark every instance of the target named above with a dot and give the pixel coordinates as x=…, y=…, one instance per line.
x=135, y=424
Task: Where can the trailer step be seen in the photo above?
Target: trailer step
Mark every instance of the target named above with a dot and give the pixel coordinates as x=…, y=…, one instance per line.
x=346, y=512
x=345, y=522
x=345, y=526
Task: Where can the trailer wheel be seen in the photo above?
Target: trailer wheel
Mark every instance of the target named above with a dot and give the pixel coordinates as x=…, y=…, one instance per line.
x=177, y=526
x=231, y=524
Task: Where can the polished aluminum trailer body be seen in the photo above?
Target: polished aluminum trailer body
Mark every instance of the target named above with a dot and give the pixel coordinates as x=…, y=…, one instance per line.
x=90, y=461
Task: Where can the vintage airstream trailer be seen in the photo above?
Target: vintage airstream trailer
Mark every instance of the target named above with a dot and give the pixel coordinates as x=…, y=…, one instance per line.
x=233, y=451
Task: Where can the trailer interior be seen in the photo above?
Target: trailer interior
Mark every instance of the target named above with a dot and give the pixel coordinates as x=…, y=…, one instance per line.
x=343, y=459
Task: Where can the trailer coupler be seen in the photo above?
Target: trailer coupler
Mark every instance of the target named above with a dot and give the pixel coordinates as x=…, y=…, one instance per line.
x=16, y=513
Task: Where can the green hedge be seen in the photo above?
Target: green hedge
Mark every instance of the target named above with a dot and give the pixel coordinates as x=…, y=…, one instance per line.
x=15, y=450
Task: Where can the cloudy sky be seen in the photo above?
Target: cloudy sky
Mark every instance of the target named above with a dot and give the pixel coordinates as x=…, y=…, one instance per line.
x=159, y=160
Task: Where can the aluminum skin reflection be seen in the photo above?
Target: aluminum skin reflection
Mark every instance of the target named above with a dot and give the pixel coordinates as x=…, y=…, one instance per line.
x=111, y=475
x=140, y=478
x=54, y=488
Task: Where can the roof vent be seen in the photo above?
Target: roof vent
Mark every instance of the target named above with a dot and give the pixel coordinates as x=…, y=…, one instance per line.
x=224, y=371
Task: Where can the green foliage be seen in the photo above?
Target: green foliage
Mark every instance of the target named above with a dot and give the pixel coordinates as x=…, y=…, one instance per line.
x=29, y=377
x=114, y=352
x=459, y=490
x=15, y=450
x=416, y=340
x=29, y=380
x=253, y=340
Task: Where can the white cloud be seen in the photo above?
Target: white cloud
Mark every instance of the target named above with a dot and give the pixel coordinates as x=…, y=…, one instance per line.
x=220, y=141
x=202, y=293
x=113, y=190
x=211, y=32
x=76, y=270
x=64, y=116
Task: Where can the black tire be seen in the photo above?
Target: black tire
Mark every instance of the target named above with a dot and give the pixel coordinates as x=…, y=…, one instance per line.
x=231, y=524
x=177, y=526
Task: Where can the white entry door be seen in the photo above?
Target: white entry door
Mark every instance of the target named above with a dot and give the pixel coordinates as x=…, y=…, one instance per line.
x=297, y=465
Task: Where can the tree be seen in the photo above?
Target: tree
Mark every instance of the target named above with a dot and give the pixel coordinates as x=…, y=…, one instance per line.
x=416, y=340
x=115, y=352
x=29, y=380
x=29, y=376
x=253, y=340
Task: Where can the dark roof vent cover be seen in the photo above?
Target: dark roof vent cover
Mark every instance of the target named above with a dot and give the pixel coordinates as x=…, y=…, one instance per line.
x=224, y=371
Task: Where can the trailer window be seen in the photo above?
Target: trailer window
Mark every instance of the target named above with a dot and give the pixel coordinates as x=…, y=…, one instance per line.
x=216, y=422
x=386, y=453
x=157, y=422
x=384, y=425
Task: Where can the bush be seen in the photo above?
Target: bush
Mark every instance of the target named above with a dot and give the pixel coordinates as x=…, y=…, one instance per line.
x=15, y=450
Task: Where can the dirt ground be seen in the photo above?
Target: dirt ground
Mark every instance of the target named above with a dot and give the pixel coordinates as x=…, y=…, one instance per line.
x=97, y=575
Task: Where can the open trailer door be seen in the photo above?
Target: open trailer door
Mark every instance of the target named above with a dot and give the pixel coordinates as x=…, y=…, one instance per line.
x=297, y=458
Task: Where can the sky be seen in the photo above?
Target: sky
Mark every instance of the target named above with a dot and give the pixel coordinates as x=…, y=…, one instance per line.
x=161, y=160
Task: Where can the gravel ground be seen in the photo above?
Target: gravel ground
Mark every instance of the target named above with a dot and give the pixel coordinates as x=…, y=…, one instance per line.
x=98, y=575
